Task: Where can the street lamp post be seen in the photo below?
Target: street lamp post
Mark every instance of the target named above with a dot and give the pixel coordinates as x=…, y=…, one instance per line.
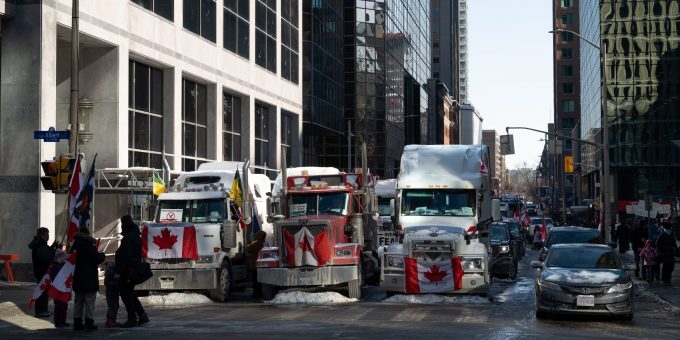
x=605, y=192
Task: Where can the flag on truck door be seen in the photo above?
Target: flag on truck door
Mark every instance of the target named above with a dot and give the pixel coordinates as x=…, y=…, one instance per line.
x=433, y=276
x=305, y=249
x=61, y=287
x=169, y=242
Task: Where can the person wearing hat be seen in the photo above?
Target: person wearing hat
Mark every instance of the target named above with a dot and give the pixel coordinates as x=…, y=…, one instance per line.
x=42, y=255
x=85, y=279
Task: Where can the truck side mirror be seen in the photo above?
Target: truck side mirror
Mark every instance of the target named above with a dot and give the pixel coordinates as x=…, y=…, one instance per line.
x=496, y=209
x=393, y=213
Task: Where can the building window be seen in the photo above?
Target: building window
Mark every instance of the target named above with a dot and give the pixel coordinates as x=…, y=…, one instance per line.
x=163, y=8
x=565, y=3
x=567, y=106
x=565, y=53
x=194, y=124
x=567, y=88
x=568, y=124
x=145, y=126
x=231, y=130
x=566, y=36
x=566, y=70
x=566, y=18
x=287, y=136
x=265, y=34
x=261, y=135
x=289, y=40
x=199, y=17
x=236, y=27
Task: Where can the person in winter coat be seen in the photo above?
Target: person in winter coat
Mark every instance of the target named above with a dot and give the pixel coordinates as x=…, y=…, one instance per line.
x=623, y=234
x=129, y=253
x=253, y=249
x=42, y=255
x=60, y=307
x=112, y=294
x=637, y=239
x=85, y=279
x=668, y=247
x=649, y=256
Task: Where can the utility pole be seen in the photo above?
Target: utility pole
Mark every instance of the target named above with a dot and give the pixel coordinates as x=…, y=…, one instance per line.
x=73, y=109
x=349, y=146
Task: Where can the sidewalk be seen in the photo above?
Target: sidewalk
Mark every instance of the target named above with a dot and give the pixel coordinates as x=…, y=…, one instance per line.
x=666, y=295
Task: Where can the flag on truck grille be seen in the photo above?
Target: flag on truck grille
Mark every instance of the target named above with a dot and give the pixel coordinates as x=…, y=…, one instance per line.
x=433, y=277
x=61, y=287
x=74, y=190
x=305, y=249
x=167, y=242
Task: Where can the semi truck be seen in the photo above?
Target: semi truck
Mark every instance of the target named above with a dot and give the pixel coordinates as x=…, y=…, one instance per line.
x=324, y=232
x=197, y=238
x=443, y=208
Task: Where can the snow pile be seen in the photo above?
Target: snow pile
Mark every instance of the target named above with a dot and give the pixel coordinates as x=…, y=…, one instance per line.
x=583, y=276
x=436, y=299
x=296, y=297
x=174, y=299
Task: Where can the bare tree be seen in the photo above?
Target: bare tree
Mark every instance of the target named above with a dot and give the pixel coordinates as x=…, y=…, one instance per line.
x=527, y=181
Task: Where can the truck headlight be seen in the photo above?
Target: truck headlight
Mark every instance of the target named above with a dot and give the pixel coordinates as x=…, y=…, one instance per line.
x=548, y=285
x=622, y=287
x=395, y=261
x=504, y=249
x=343, y=252
x=472, y=264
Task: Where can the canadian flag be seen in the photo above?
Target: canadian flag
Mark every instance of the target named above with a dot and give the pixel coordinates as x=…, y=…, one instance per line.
x=167, y=242
x=44, y=285
x=482, y=169
x=527, y=220
x=544, y=229
x=516, y=216
x=433, y=277
x=305, y=249
x=62, y=285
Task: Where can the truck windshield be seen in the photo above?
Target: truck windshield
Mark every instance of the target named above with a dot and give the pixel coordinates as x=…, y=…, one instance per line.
x=384, y=208
x=195, y=211
x=438, y=202
x=318, y=204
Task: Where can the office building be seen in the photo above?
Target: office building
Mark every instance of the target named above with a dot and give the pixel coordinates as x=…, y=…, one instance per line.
x=446, y=44
x=492, y=140
x=463, y=29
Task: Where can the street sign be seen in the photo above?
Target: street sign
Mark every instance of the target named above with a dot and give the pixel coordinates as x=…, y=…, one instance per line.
x=507, y=145
x=51, y=135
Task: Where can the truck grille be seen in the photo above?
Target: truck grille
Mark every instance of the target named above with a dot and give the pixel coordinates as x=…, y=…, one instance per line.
x=314, y=229
x=586, y=290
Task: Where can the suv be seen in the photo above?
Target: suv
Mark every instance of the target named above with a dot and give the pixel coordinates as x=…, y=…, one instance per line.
x=561, y=235
x=504, y=255
x=518, y=235
x=531, y=209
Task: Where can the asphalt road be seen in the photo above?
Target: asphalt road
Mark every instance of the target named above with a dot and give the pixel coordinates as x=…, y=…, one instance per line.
x=508, y=314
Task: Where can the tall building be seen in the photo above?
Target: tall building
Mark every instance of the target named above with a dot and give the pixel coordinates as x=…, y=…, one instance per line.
x=202, y=80
x=462, y=20
x=446, y=44
x=324, y=127
x=387, y=63
x=566, y=87
x=643, y=107
x=492, y=140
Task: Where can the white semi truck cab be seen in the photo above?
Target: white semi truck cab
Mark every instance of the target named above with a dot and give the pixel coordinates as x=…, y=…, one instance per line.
x=443, y=205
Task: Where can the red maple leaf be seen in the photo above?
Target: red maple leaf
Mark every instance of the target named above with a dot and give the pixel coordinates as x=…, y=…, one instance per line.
x=434, y=275
x=165, y=240
x=69, y=281
x=304, y=245
x=45, y=284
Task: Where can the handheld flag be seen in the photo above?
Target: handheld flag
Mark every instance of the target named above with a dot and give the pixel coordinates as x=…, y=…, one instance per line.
x=236, y=193
x=82, y=212
x=41, y=288
x=63, y=283
x=74, y=192
x=158, y=184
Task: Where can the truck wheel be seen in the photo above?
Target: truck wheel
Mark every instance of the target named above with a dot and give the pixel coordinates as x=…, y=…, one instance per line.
x=354, y=286
x=223, y=290
x=268, y=291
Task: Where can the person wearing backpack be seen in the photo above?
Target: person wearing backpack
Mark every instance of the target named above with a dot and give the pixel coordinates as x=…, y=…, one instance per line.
x=127, y=256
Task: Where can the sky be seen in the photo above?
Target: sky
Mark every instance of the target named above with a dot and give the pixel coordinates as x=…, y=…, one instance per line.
x=510, y=71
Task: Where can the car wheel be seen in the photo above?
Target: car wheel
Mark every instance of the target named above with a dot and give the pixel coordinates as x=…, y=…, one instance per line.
x=513, y=272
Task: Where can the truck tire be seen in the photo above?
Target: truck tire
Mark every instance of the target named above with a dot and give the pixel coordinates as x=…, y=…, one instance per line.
x=268, y=291
x=354, y=286
x=223, y=290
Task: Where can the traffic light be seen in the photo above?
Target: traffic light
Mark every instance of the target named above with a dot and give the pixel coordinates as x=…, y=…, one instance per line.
x=57, y=173
x=568, y=164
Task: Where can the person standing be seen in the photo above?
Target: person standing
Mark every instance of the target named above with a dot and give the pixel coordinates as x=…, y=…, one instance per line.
x=128, y=254
x=667, y=247
x=112, y=294
x=637, y=239
x=42, y=255
x=60, y=307
x=85, y=279
x=623, y=234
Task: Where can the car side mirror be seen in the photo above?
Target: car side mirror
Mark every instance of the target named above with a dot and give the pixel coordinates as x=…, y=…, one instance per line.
x=536, y=264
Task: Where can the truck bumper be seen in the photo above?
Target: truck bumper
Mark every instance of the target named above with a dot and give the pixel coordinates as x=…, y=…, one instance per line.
x=307, y=276
x=180, y=279
x=473, y=283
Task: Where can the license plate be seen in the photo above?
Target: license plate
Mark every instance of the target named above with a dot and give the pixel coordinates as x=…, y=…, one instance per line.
x=585, y=300
x=167, y=283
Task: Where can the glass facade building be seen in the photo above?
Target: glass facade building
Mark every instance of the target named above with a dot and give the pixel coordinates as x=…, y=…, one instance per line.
x=643, y=94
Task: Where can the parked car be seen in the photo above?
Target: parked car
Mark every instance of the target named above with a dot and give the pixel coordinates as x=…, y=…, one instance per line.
x=518, y=235
x=503, y=251
x=583, y=279
x=561, y=235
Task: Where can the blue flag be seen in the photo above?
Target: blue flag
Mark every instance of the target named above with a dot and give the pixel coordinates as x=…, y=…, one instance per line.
x=83, y=207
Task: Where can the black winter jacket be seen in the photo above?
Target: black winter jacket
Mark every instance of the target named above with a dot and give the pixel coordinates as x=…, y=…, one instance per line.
x=638, y=237
x=86, y=276
x=130, y=250
x=666, y=246
x=42, y=255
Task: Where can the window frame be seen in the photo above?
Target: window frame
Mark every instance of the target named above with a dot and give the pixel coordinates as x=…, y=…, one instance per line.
x=153, y=8
x=201, y=29
x=152, y=113
x=239, y=20
x=195, y=124
x=235, y=132
x=268, y=33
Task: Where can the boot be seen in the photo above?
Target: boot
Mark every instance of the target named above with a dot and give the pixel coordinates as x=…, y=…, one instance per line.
x=78, y=324
x=89, y=325
x=130, y=323
x=143, y=318
x=111, y=322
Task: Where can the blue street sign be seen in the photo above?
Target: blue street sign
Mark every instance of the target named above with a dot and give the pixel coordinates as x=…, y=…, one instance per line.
x=51, y=135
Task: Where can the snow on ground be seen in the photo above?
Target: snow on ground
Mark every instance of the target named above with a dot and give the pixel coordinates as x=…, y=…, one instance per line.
x=175, y=299
x=434, y=299
x=296, y=297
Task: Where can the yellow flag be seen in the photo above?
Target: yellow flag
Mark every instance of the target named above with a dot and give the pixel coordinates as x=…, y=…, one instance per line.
x=235, y=192
x=158, y=185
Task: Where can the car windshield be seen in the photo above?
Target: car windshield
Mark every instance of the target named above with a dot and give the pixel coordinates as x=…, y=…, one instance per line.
x=196, y=211
x=317, y=204
x=438, y=202
x=583, y=257
x=569, y=236
x=499, y=233
x=514, y=228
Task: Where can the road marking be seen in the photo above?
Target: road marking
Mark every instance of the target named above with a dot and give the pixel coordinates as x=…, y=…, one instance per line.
x=477, y=318
x=411, y=315
x=290, y=314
